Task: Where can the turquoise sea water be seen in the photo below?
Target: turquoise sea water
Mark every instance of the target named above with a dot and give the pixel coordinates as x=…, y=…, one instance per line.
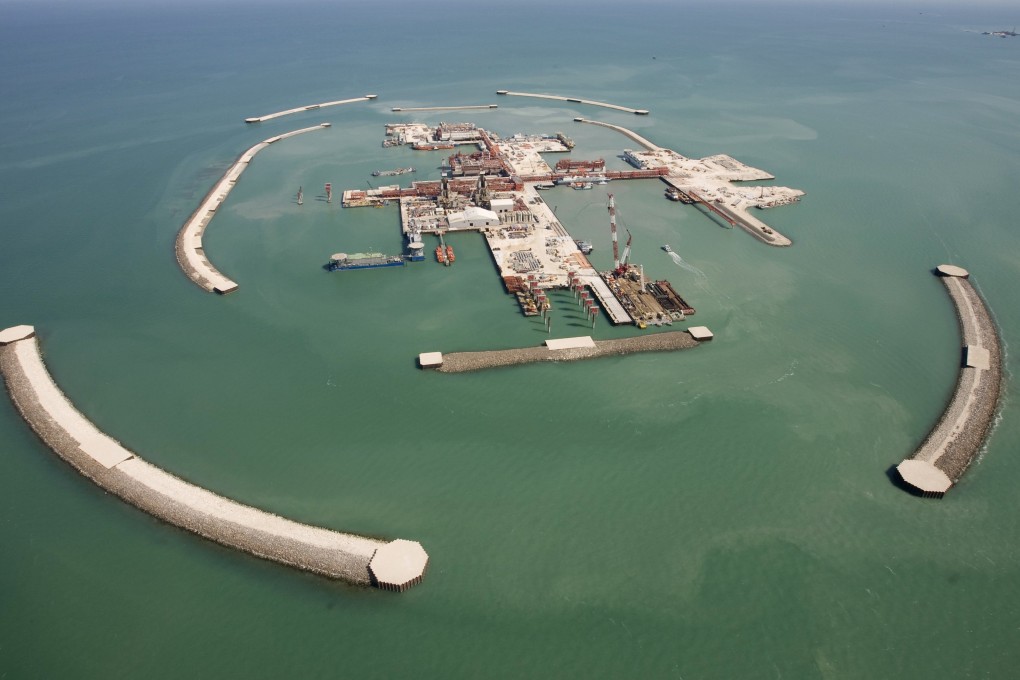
x=718, y=513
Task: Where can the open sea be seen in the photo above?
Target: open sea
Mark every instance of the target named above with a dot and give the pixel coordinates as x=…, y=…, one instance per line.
x=720, y=513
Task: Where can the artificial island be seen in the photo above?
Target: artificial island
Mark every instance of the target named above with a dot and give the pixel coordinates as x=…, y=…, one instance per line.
x=493, y=190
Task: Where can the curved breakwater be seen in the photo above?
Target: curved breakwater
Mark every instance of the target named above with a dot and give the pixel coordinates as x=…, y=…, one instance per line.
x=190, y=254
x=393, y=565
x=619, y=128
x=574, y=100
x=309, y=107
x=957, y=438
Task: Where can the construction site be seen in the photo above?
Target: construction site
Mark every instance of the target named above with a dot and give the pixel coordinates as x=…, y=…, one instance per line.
x=494, y=188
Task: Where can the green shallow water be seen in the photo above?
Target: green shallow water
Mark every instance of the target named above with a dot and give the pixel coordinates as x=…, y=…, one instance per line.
x=716, y=513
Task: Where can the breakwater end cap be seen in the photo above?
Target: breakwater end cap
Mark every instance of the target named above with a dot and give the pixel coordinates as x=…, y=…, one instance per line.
x=398, y=565
x=924, y=476
x=15, y=333
x=700, y=333
x=430, y=359
x=952, y=270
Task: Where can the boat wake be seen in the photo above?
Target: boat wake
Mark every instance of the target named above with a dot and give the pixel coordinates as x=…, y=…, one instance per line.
x=680, y=262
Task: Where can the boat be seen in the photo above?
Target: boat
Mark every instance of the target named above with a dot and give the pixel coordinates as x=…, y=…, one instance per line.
x=542, y=186
x=419, y=146
x=440, y=255
x=391, y=173
x=672, y=194
x=573, y=179
x=581, y=186
x=449, y=254
x=300, y=196
x=667, y=248
x=340, y=261
x=584, y=246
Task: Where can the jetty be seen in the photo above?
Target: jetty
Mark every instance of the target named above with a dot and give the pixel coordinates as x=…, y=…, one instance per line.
x=310, y=107
x=563, y=349
x=190, y=254
x=391, y=565
x=958, y=436
x=573, y=100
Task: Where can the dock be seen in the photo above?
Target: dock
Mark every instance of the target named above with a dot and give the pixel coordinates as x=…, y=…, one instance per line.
x=391, y=565
x=610, y=303
x=957, y=438
x=190, y=254
x=309, y=107
x=573, y=100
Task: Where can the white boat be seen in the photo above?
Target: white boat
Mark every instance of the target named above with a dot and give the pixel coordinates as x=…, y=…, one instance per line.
x=667, y=248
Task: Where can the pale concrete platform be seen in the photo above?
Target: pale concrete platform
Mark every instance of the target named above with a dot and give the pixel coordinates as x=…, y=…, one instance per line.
x=700, y=333
x=398, y=565
x=570, y=343
x=430, y=359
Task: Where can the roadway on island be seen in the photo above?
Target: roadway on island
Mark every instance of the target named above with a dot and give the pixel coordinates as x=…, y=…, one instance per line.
x=957, y=438
x=392, y=565
x=190, y=254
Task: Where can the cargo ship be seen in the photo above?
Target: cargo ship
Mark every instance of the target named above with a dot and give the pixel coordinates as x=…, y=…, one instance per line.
x=391, y=173
x=363, y=261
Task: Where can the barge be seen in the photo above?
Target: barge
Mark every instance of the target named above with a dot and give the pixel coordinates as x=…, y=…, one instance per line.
x=339, y=261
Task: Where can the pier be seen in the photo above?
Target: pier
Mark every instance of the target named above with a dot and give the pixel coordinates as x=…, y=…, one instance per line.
x=310, y=107
x=190, y=254
x=573, y=100
x=570, y=349
x=391, y=565
x=961, y=431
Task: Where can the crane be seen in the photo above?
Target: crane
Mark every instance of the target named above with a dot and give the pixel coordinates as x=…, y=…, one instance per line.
x=626, y=251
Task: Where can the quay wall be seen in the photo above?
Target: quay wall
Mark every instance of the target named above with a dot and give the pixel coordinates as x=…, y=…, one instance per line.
x=188, y=248
x=961, y=431
x=119, y=471
x=460, y=362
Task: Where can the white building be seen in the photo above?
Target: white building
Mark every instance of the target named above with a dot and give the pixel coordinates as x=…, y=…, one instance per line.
x=472, y=218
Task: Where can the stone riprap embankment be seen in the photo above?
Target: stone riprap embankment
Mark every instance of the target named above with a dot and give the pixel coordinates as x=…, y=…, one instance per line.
x=961, y=431
x=459, y=362
x=190, y=253
x=393, y=565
